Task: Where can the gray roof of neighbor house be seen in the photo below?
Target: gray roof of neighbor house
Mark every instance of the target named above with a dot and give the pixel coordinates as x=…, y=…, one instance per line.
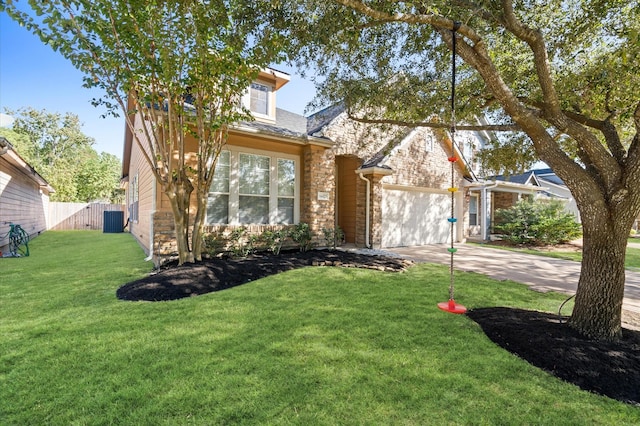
x=546, y=175
x=549, y=176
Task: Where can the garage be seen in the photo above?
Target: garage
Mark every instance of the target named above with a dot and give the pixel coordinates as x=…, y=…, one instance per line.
x=412, y=217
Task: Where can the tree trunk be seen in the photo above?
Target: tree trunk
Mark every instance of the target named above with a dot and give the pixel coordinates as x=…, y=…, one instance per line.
x=198, y=223
x=179, y=194
x=597, y=312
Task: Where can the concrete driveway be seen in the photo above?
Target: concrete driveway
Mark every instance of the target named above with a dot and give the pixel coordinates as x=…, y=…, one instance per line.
x=540, y=273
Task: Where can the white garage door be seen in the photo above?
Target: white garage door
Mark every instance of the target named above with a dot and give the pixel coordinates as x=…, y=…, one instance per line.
x=413, y=218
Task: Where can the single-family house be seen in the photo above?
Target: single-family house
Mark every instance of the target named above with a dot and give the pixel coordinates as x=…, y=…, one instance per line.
x=24, y=195
x=502, y=192
x=383, y=186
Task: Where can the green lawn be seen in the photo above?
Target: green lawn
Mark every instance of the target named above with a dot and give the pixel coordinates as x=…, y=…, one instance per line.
x=313, y=346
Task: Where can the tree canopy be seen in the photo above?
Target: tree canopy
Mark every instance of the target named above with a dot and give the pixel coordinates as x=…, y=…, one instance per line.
x=182, y=66
x=559, y=76
x=54, y=145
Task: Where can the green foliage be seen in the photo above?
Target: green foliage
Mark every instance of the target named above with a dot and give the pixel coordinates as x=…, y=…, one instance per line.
x=215, y=243
x=537, y=223
x=183, y=65
x=274, y=240
x=54, y=145
x=333, y=236
x=241, y=244
x=301, y=235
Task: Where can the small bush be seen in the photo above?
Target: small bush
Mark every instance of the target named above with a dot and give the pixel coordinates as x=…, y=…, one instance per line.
x=333, y=236
x=241, y=245
x=274, y=240
x=214, y=243
x=301, y=235
x=537, y=223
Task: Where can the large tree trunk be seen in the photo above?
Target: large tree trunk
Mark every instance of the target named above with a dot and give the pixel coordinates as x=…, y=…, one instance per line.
x=598, y=306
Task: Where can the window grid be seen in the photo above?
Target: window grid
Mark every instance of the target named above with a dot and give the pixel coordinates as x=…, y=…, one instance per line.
x=262, y=189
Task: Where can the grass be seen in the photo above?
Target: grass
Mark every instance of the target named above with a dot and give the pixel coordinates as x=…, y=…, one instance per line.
x=632, y=260
x=320, y=346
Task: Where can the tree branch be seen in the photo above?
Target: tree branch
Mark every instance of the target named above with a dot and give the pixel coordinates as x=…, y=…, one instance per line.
x=607, y=165
x=433, y=125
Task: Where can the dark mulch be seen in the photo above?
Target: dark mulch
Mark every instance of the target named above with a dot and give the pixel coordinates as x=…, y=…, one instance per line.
x=173, y=282
x=546, y=341
x=610, y=369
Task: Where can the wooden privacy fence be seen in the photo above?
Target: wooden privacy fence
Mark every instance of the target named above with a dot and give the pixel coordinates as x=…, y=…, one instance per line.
x=67, y=216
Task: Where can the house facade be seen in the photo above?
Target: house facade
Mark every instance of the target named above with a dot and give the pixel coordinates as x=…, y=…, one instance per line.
x=502, y=192
x=383, y=186
x=24, y=195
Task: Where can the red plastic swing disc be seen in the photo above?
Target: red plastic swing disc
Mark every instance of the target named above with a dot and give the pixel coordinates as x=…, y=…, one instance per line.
x=452, y=306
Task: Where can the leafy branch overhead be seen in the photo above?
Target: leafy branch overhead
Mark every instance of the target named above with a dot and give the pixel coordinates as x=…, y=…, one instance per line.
x=176, y=70
x=560, y=74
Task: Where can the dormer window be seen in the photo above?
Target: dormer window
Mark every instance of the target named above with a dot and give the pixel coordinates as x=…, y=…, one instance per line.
x=259, y=99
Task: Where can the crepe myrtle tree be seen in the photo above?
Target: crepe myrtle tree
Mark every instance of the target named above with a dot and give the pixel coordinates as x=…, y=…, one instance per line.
x=182, y=65
x=560, y=77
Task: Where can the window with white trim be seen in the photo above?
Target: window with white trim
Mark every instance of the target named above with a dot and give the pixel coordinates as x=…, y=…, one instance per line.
x=133, y=199
x=254, y=187
x=473, y=210
x=259, y=98
x=429, y=142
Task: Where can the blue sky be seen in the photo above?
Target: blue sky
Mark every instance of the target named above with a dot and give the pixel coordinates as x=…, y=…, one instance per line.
x=33, y=75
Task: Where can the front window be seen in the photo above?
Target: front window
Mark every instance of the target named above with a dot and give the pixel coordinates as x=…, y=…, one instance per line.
x=253, y=188
x=218, y=204
x=286, y=190
x=254, y=179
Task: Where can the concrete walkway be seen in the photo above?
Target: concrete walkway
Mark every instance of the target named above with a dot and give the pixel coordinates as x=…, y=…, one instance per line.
x=539, y=272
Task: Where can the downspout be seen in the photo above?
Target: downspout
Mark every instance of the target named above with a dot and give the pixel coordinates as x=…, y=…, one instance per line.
x=366, y=213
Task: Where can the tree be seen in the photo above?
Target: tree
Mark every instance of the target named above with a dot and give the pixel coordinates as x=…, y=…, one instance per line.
x=182, y=65
x=54, y=145
x=561, y=72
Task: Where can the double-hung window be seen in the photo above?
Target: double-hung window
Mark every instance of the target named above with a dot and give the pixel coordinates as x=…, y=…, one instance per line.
x=133, y=199
x=254, y=187
x=259, y=98
x=473, y=210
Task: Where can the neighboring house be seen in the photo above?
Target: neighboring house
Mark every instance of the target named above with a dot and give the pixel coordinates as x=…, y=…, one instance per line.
x=503, y=192
x=24, y=195
x=385, y=187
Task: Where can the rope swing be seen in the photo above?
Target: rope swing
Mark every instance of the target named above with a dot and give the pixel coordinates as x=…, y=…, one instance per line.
x=451, y=305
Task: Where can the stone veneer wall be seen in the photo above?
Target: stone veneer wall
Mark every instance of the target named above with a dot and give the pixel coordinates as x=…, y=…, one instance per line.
x=319, y=177
x=376, y=211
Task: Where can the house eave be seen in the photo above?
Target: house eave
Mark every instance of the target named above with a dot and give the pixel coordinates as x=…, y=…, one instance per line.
x=375, y=171
x=14, y=159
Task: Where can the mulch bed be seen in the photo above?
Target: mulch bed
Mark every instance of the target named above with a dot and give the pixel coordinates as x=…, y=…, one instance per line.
x=173, y=282
x=544, y=340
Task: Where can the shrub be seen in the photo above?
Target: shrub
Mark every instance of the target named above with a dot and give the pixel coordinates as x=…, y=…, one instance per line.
x=537, y=223
x=274, y=240
x=241, y=245
x=333, y=236
x=301, y=235
x=214, y=243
